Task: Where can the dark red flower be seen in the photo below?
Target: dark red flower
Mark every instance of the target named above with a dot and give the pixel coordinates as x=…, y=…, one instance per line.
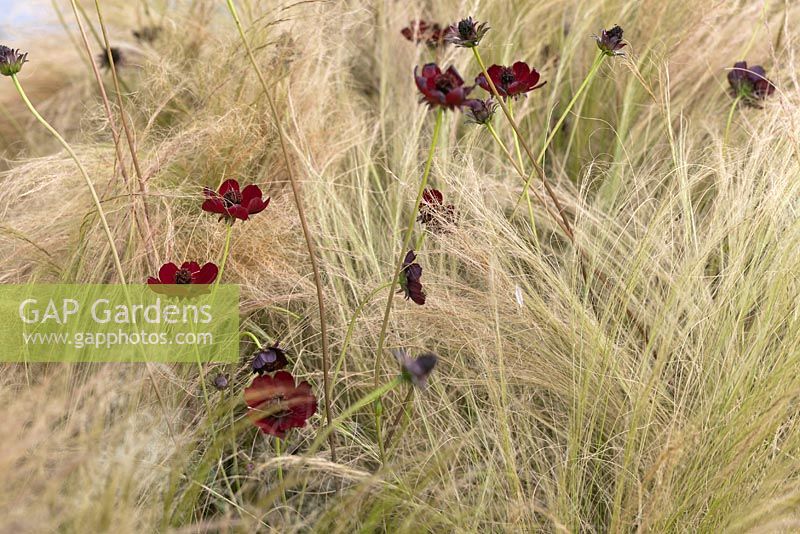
x=409, y=279
x=231, y=203
x=277, y=404
x=439, y=88
x=420, y=31
x=512, y=81
x=188, y=279
x=749, y=84
x=610, y=41
x=269, y=359
x=434, y=213
x=416, y=370
x=466, y=33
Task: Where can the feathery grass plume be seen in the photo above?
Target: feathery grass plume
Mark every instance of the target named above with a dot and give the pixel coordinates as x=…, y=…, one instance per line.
x=593, y=429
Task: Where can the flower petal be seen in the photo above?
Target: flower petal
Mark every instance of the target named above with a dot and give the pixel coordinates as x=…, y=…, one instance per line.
x=228, y=186
x=238, y=212
x=453, y=73
x=213, y=205
x=431, y=70
x=167, y=273
x=205, y=275
x=256, y=205
x=521, y=70
x=191, y=266
x=249, y=193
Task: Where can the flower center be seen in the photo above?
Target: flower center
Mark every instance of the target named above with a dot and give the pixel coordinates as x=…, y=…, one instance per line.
x=444, y=83
x=465, y=29
x=232, y=198
x=184, y=276
x=507, y=77
x=276, y=402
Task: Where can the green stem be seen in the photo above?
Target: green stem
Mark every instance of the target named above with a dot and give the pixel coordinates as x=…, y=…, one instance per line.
x=730, y=120
x=280, y=469
x=516, y=137
x=406, y=240
x=398, y=417
x=595, y=67
x=85, y=175
x=537, y=168
x=225, y=252
x=253, y=337
x=310, y=245
x=522, y=175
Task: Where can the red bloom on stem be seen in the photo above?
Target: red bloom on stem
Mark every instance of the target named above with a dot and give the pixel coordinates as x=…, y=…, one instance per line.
x=232, y=203
x=439, y=88
x=434, y=213
x=410, y=279
x=193, y=278
x=420, y=31
x=276, y=404
x=512, y=81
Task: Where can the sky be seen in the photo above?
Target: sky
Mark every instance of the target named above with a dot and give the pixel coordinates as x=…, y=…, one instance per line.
x=20, y=18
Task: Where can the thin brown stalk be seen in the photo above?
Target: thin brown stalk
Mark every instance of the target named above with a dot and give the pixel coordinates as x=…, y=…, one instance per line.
x=152, y=252
x=306, y=231
x=551, y=193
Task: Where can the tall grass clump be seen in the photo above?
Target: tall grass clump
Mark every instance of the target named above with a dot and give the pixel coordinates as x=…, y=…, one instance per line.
x=514, y=306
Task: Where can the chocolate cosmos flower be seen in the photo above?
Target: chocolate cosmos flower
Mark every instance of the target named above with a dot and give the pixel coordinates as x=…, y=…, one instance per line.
x=221, y=382
x=610, y=41
x=420, y=31
x=231, y=203
x=187, y=280
x=11, y=60
x=277, y=404
x=434, y=213
x=416, y=370
x=749, y=84
x=467, y=33
x=269, y=359
x=481, y=111
x=511, y=81
x=409, y=279
x=147, y=34
x=116, y=55
x=439, y=88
